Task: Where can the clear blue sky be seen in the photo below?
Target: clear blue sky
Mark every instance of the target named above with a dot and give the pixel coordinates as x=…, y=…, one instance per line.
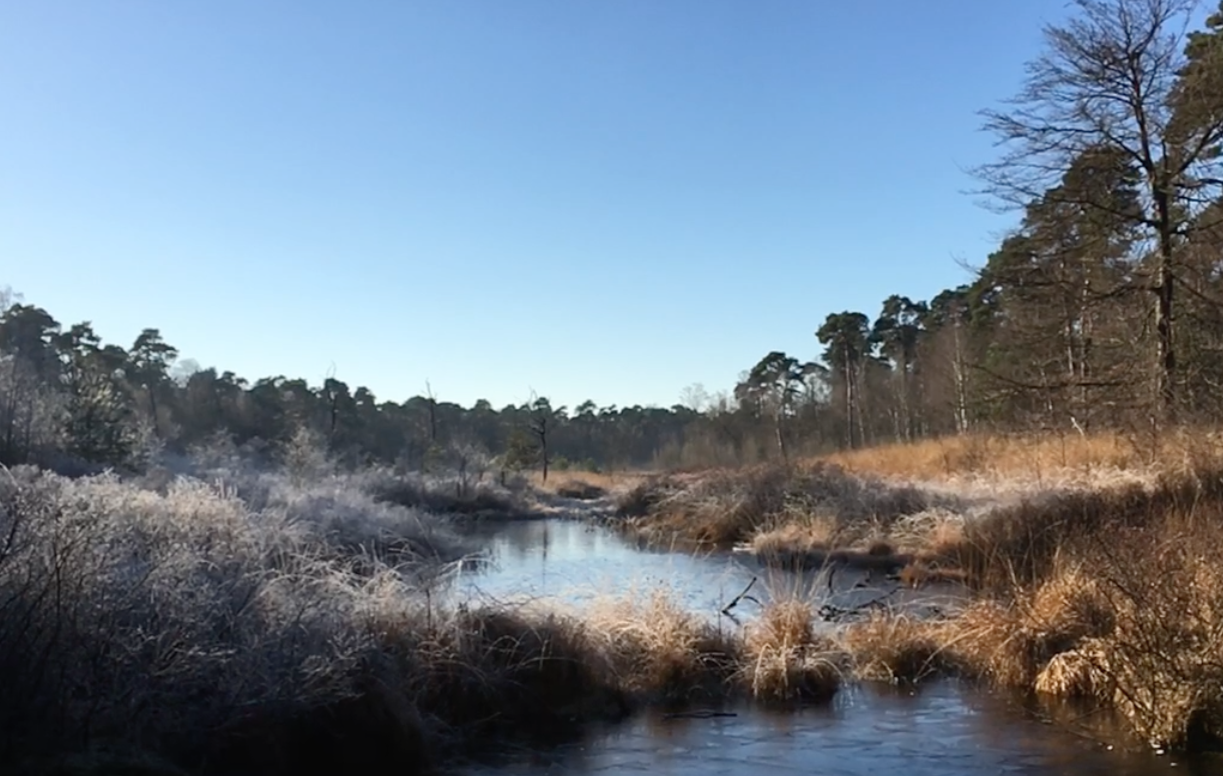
x=605, y=199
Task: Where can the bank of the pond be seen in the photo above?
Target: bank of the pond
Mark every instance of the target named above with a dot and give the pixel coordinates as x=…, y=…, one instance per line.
x=319, y=641
x=1108, y=594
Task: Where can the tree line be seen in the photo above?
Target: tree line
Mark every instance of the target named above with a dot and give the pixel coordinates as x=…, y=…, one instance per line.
x=66, y=395
x=1103, y=309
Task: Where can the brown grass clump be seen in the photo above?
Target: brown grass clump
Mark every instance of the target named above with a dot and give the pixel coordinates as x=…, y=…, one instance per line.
x=660, y=651
x=1012, y=642
x=725, y=508
x=1116, y=598
x=604, y=481
x=803, y=534
x=785, y=658
x=895, y=648
x=1130, y=617
x=491, y=671
x=1079, y=673
x=1019, y=545
x=783, y=624
x=582, y=491
x=641, y=499
x=1160, y=664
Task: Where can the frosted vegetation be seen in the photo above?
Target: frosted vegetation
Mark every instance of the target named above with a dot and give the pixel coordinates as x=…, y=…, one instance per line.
x=222, y=615
x=174, y=608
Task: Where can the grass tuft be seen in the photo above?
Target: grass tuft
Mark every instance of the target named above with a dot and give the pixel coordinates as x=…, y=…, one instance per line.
x=785, y=659
x=895, y=648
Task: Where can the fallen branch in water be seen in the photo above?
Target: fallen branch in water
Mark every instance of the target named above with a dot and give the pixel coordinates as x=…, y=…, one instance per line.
x=831, y=613
x=740, y=597
x=699, y=714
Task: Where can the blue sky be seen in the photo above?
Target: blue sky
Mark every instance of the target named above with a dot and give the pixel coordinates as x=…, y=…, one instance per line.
x=605, y=199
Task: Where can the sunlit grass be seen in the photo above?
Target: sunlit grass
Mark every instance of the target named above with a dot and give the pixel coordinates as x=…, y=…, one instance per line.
x=1035, y=457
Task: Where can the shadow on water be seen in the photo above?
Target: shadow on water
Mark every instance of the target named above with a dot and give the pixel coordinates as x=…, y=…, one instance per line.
x=942, y=728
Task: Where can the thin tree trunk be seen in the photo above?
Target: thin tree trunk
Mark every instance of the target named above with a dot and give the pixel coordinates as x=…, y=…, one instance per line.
x=152, y=389
x=1165, y=352
x=961, y=392
x=781, y=439
x=543, y=442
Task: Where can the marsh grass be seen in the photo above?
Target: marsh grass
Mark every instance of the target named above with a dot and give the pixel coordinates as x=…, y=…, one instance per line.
x=1100, y=584
x=250, y=620
x=1019, y=545
x=587, y=482
x=662, y=652
x=169, y=617
x=1012, y=544
x=896, y=648
x=785, y=658
x=995, y=466
x=1160, y=589
x=1036, y=456
x=1114, y=597
x=255, y=623
x=580, y=490
x=450, y=494
x=721, y=509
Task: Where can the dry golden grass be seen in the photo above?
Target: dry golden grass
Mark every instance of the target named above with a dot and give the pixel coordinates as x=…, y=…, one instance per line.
x=804, y=534
x=659, y=650
x=1129, y=616
x=1115, y=597
x=1018, y=546
x=1112, y=594
x=1033, y=457
x=1011, y=641
x=725, y=508
x=443, y=680
x=895, y=648
x=932, y=532
x=785, y=659
x=613, y=482
x=921, y=547
x=1107, y=589
x=1078, y=673
x=981, y=454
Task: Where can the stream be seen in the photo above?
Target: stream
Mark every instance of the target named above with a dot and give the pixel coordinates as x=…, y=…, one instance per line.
x=574, y=561
x=943, y=727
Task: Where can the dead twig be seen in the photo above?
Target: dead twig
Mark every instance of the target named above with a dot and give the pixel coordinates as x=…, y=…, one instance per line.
x=735, y=601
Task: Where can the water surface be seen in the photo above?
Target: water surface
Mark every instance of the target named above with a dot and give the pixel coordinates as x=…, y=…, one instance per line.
x=575, y=561
x=943, y=728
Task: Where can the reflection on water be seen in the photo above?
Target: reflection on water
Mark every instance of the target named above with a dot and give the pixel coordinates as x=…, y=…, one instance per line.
x=941, y=729
x=574, y=561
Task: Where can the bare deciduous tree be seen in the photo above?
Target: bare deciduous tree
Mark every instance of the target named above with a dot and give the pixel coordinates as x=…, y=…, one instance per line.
x=1120, y=77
